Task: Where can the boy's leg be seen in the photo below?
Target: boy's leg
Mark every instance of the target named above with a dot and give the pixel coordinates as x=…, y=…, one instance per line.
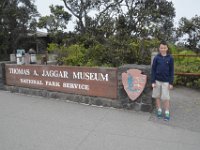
x=167, y=107
x=156, y=94
x=159, y=108
x=166, y=97
x=158, y=103
x=166, y=104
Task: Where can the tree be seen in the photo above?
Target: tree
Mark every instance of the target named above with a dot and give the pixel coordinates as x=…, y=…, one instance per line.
x=149, y=18
x=141, y=18
x=56, y=21
x=17, y=18
x=189, y=30
x=81, y=9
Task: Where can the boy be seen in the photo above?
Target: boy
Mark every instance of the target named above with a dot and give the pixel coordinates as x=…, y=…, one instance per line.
x=162, y=76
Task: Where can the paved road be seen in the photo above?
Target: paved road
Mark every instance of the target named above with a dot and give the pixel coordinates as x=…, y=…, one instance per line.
x=32, y=123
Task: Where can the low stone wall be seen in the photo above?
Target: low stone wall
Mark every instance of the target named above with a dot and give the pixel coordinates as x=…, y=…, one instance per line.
x=2, y=73
x=143, y=103
x=1, y=76
x=99, y=101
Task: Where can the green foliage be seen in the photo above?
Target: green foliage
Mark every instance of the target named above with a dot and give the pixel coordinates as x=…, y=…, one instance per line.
x=186, y=65
x=142, y=50
x=116, y=52
x=113, y=52
x=75, y=55
x=53, y=48
x=188, y=81
x=57, y=49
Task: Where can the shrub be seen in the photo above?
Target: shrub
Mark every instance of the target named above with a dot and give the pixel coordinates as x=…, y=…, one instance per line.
x=188, y=81
x=187, y=65
x=75, y=55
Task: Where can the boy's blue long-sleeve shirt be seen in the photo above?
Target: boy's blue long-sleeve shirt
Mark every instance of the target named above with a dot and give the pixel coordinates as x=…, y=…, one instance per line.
x=163, y=69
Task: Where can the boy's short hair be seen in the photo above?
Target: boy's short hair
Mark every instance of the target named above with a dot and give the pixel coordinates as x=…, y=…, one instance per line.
x=164, y=43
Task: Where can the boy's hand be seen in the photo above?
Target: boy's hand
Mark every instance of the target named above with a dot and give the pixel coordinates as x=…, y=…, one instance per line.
x=153, y=85
x=170, y=87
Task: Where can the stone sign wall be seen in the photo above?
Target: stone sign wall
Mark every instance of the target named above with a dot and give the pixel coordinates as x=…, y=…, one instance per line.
x=101, y=82
x=2, y=73
x=144, y=101
x=1, y=76
x=93, y=86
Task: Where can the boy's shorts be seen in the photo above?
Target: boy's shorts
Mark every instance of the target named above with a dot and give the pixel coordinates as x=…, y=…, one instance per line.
x=161, y=90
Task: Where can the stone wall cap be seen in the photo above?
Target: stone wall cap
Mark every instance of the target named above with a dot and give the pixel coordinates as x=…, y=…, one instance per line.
x=135, y=66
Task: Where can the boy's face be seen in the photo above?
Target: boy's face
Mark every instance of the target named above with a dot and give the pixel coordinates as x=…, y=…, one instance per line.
x=163, y=49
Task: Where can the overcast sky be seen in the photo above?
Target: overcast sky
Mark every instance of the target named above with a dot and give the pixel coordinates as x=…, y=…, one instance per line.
x=184, y=8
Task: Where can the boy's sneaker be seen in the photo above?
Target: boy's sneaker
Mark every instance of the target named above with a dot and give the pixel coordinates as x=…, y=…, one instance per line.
x=159, y=113
x=167, y=116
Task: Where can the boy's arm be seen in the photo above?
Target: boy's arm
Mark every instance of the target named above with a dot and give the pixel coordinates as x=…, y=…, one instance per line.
x=171, y=71
x=153, y=71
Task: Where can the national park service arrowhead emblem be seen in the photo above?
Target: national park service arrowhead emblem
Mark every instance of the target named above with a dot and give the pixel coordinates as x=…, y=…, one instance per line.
x=134, y=83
